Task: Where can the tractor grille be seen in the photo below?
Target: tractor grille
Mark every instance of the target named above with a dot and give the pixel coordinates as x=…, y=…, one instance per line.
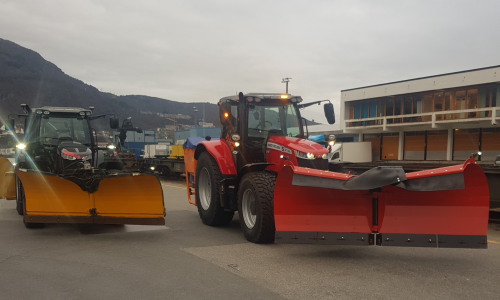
x=317, y=163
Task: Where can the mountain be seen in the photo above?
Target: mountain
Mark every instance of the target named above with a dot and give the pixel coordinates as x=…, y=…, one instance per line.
x=26, y=77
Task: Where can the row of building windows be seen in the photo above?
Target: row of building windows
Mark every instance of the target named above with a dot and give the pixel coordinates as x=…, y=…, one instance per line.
x=433, y=145
x=426, y=102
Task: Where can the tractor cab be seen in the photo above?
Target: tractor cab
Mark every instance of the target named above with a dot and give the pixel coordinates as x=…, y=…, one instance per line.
x=252, y=120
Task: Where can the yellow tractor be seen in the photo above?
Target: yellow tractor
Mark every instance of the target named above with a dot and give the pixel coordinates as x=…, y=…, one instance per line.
x=58, y=178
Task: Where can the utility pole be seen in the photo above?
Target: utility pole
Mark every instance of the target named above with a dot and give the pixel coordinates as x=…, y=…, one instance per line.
x=286, y=80
x=195, y=116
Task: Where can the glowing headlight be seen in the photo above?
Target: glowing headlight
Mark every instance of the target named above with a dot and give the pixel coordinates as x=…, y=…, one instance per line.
x=111, y=147
x=331, y=143
x=152, y=168
x=236, y=144
x=324, y=156
x=304, y=155
x=479, y=153
x=21, y=146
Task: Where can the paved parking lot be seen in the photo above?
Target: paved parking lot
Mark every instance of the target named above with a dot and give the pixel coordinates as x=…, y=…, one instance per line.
x=188, y=260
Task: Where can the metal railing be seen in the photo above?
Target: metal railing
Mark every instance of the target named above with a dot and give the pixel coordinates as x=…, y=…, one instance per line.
x=433, y=118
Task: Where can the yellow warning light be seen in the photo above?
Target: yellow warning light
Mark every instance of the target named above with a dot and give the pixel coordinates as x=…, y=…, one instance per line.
x=226, y=115
x=284, y=96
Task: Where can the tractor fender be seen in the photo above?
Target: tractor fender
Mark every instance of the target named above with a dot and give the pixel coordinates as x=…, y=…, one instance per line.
x=255, y=167
x=220, y=152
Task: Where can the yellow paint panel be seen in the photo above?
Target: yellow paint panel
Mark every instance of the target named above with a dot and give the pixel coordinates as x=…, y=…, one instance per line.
x=5, y=166
x=177, y=151
x=53, y=195
x=136, y=196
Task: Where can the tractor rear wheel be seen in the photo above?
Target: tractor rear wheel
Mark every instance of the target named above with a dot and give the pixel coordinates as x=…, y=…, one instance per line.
x=208, y=177
x=256, y=206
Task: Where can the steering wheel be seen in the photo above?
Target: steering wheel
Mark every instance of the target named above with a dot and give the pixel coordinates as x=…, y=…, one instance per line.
x=264, y=124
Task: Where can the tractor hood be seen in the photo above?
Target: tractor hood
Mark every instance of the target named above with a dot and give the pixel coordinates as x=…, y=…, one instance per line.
x=301, y=145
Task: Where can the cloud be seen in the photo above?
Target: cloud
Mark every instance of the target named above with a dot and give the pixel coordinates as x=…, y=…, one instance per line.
x=204, y=50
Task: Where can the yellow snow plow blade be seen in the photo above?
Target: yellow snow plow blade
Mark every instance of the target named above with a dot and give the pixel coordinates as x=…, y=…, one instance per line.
x=48, y=195
x=130, y=200
x=116, y=200
x=7, y=180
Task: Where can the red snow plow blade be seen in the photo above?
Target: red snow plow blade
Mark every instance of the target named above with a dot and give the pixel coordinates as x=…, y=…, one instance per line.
x=445, y=207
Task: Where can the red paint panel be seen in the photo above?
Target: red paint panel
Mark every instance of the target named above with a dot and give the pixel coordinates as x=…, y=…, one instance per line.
x=454, y=212
x=222, y=154
x=310, y=209
x=301, y=145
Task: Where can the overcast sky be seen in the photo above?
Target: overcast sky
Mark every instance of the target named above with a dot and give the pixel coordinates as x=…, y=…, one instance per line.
x=194, y=51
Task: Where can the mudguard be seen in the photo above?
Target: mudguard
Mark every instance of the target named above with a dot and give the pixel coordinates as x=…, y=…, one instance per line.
x=221, y=152
x=124, y=199
x=445, y=207
x=7, y=180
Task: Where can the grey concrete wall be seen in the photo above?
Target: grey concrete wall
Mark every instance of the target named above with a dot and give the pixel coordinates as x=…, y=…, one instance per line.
x=414, y=155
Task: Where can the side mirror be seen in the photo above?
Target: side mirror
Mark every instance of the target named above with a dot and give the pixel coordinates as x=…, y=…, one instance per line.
x=12, y=124
x=114, y=123
x=329, y=113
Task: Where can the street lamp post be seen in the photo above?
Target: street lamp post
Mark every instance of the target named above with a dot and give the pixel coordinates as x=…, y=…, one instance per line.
x=286, y=80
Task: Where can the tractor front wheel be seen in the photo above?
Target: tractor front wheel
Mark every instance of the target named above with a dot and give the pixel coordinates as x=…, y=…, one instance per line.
x=19, y=198
x=256, y=206
x=208, y=177
x=29, y=225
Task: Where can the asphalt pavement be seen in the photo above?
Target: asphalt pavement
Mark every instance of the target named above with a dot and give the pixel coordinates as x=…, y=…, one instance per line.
x=188, y=260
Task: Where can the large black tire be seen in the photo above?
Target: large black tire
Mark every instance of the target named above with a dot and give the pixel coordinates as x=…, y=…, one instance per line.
x=23, y=199
x=19, y=198
x=257, y=221
x=208, y=177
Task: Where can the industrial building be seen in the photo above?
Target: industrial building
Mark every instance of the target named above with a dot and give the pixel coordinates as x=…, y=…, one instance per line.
x=436, y=118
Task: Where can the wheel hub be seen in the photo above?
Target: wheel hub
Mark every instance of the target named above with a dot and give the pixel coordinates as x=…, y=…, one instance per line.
x=205, y=187
x=248, y=209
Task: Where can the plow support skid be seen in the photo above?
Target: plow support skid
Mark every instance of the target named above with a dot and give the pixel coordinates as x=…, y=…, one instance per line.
x=118, y=200
x=445, y=207
x=7, y=180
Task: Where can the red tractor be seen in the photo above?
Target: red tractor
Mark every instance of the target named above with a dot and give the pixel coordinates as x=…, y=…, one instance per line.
x=264, y=167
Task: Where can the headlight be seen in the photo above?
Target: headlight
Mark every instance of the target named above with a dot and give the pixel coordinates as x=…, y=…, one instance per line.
x=331, y=143
x=20, y=146
x=236, y=144
x=324, y=156
x=235, y=137
x=304, y=155
x=152, y=168
x=111, y=147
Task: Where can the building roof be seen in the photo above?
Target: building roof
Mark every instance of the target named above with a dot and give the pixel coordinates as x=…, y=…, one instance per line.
x=440, y=82
x=425, y=77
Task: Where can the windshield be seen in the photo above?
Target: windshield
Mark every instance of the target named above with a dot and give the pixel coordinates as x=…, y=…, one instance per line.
x=262, y=119
x=52, y=129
